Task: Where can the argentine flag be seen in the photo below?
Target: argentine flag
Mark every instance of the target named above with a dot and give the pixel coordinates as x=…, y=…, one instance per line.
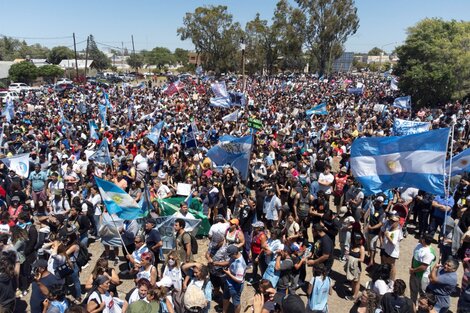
x=402, y=102
x=18, y=163
x=119, y=202
x=417, y=160
x=460, y=163
x=232, y=117
x=319, y=109
x=220, y=102
x=154, y=135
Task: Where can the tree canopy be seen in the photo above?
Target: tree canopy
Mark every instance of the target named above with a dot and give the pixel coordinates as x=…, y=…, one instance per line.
x=100, y=60
x=59, y=53
x=434, y=62
x=376, y=51
x=23, y=72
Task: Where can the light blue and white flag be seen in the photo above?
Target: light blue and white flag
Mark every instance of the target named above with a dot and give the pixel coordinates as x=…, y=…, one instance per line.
x=18, y=163
x=93, y=129
x=63, y=120
x=154, y=135
x=319, y=109
x=460, y=163
x=232, y=117
x=145, y=204
x=417, y=160
x=102, y=111
x=220, y=102
x=234, y=151
x=394, y=84
x=219, y=90
x=9, y=111
x=405, y=127
x=402, y=102
x=119, y=202
x=102, y=154
x=237, y=99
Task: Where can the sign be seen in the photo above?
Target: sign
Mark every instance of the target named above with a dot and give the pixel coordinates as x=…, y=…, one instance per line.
x=255, y=123
x=183, y=189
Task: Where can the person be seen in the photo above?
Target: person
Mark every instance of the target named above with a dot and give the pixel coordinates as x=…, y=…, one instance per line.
x=283, y=303
x=442, y=283
x=183, y=242
x=423, y=260
x=100, y=300
x=442, y=206
x=184, y=212
x=353, y=265
x=38, y=179
x=140, y=248
x=374, y=217
x=220, y=226
x=198, y=275
x=7, y=278
x=396, y=301
x=149, y=304
x=463, y=305
x=380, y=280
x=323, y=248
x=153, y=240
x=102, y=268
x=79, y=220
x=319, y=288
x=43, y=281
x=285, y=266
x=234, y=279
x=303, y=205
x=259, y=243
x=56, y=302
x=391, y=234
x=426, y=303
x=325, y=181
x=423, y=207
x=172, y=271
x=217, y=258
x=368, y=302
x=234, y=235
x=145, y=269
x=271, y=207
x=139, y=292
x=245, y=215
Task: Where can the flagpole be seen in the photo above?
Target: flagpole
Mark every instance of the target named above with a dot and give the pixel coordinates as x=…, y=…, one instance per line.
x=447, y=192
x=119, y=233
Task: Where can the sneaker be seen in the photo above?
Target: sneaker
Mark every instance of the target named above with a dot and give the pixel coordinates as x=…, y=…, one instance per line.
x=116, y=261
x=342, y=259
x=24, y=293
x=85, y=266
x=350, y=298
x=250, y=282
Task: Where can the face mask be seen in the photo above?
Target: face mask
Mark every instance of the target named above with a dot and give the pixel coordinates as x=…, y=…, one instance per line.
x=171, y=262
x=23, y=225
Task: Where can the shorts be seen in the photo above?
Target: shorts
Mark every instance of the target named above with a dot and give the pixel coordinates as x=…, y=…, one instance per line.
x=234, y=291
x=385, y=254
x=373, y=241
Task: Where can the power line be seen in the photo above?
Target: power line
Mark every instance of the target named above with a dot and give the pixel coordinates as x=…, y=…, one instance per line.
x=36, y=38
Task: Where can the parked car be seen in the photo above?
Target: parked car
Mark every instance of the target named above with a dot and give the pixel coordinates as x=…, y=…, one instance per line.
x=12, y=94
x=19, y=87
x=64, y=81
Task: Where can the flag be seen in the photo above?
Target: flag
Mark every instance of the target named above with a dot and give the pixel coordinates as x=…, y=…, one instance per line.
x=355, y=91
x=405, y=127
x=82, y=108
x=220, y=102
x=460, y=163
x=18, y=163
x=417, y=160
x=190, y=138
x=1, y=135
x=102, y=111
x=379, y=107
x=102, y=154
x=173, y=88
x=402, y=102
x=237, y=99
x=154, y=135
x=93, y=127
x=232, y=117
x=9, y=111
x=394, y=84
x=234, y=151
x=107, y=103
x=118, y=202
x=145, y=204
x=219, y=90
x=319, y=109
x=63, y=120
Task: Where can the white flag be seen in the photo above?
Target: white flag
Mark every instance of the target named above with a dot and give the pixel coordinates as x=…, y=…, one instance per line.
x=18, y=163
x=232, y=117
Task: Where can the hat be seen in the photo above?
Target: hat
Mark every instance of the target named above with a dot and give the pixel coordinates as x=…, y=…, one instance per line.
x=194, y=299
x=290, y=303
x=234, y=221
x=342, y=211
x=40, y=263
x=232, y=249
x=344, y=169
x=258, y=224
x=394, y=217
x=101, y=279
x=349, y=220
x=15, y=198
x=165, y=282
x=380, y=198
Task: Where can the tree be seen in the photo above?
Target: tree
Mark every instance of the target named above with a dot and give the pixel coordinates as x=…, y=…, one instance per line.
x=60, y=53
x=100, y=60
x=376, y=51
x=329, y=24
x=135, y=61
x=260, y=46
x=50, y=72
x=214, y=35
x=434, y=62
x=23, y=72
x=160, y=57
x=181, y=56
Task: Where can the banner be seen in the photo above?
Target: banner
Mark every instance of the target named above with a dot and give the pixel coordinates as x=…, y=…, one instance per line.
x=380, y=107
x=165, y=226
x=405, y=127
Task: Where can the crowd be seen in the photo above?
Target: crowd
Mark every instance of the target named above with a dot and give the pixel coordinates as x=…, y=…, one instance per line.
x=283, y=221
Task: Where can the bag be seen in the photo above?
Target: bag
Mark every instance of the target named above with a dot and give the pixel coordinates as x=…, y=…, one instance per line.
x=64, y=270
x=87, y=297
x=90, y=208
x=194, y=246
x=83, y=255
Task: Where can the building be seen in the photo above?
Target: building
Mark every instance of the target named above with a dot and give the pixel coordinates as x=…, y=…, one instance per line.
x=4, y=68
x=195, y=58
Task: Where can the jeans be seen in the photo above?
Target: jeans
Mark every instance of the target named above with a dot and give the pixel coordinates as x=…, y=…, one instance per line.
x=247, y=247
x=423, y=222
x=96, y=219
x=84, y=239
x=76, y=281
x=435, y=222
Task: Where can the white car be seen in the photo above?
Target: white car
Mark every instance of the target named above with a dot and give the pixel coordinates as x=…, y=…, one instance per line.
x=19, y=87
x=64, y=81
x=12, y=94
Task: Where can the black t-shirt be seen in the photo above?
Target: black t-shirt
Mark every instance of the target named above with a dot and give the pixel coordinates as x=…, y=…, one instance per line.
x=152, y=238
x=245, y=216
x=393, y=304
x=324, y=245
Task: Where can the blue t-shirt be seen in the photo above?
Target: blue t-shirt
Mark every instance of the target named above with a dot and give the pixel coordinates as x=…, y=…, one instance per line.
x=444, y=287
x=37, y=297
x=447, y=202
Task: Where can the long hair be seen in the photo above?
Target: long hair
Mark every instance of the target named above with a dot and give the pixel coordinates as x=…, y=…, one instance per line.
x=101, y=266
x=18, y=233
x=372, y=301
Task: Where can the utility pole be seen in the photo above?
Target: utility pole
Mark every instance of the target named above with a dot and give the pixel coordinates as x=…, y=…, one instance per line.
x=133, y=48
x=75, y=49
x=86, y=54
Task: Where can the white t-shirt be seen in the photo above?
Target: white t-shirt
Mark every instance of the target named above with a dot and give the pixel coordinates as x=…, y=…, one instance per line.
x=108, y=300
x=326, y=178
x=141, y=163
x=392, y=248
x=220, y=228
x=381, y=287
x=424, y=255
x=163, y=191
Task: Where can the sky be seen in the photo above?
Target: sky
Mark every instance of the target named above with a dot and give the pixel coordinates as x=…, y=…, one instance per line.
x=383, y=23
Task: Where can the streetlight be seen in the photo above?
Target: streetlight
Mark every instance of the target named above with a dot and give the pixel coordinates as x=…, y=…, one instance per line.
x=243, y=46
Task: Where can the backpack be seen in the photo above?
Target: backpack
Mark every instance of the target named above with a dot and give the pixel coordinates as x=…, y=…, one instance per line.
x=87, y=297
x=90, y=208
x=83, y=255
x=194, y=246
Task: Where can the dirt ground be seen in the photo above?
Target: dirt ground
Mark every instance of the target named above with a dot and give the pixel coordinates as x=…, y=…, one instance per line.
x=336, y=302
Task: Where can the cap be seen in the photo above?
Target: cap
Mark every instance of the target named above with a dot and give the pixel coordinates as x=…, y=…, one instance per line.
x=290, y=303
x=234, y=221
x=232, y=249
x=219, y=217
x=40, y=263
x=344, y=169
x=258, y=224
x=349, y=220
x=380, y=198
x=15, y=198
x=194, y=299
x=342, y=211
